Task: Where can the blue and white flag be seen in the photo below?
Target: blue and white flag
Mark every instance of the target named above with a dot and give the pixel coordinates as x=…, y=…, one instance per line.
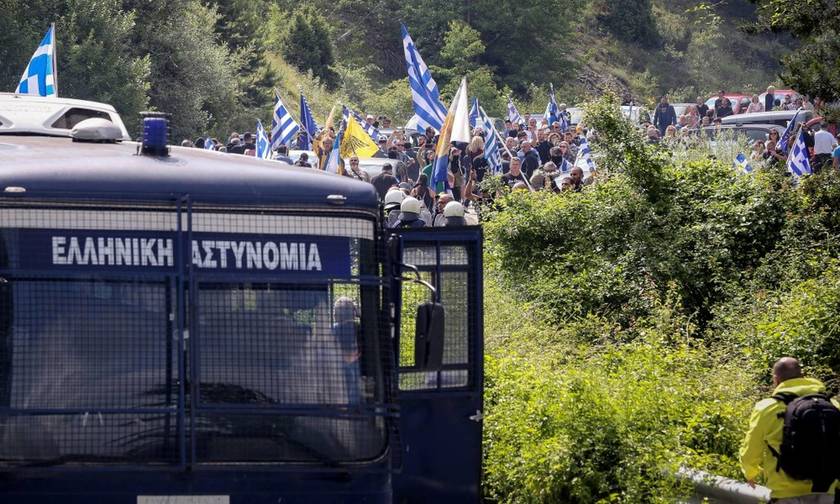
x=425, y=95
x=552, y=111
x=492, y=144
x=263, y=145
x=308, y=124
x=475, y=115
x=585, y=153
x=742, y=163
x=209, y=144
x=513, y=114
x=797, y=162
x=40, y=78
x=333, y=164
x=784, y=140
x=283, y=126
x=565, y=166
x=370, y=129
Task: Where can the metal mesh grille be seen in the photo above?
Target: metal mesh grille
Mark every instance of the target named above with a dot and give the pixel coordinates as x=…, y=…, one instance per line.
x=456, y=284
x=178, y=337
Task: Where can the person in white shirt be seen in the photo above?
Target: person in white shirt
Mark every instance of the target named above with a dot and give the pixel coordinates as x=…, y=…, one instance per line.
x=824, y=145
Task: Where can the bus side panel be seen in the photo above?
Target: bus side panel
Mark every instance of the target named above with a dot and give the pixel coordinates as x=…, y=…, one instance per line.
x=210, y=487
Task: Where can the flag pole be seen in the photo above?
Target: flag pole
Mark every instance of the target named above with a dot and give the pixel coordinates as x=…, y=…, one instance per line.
x=54, y=58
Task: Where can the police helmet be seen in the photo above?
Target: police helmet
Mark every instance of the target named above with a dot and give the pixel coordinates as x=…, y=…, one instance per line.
x=453, y=209
x=393, y=198
x=410, y=209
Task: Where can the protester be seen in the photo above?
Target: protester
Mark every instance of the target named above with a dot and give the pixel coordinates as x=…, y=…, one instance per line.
x=576, y=175
x=354, y=171
x=303, y=160
x=384, y=181
x=835, y=156
x=530, y=159
x=755, y=105
x=719, y=102
x=725, y=109
x=770, y=99
x=664, y=116
x=762, y=451
x=758, y=151
x=702, y=108
x=824, y=145
x=514, y=174
x=282, y=154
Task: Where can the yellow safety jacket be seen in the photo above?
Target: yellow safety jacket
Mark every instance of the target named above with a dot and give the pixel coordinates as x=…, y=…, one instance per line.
x=766, y=430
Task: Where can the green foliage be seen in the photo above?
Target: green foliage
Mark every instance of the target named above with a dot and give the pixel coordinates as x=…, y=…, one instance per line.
x=576, y=423
x=630, y=21
x=815, y=67
x=307, y=45
x=633, y=324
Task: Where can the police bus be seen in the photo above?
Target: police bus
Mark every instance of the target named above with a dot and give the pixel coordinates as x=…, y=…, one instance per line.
x=186, y=326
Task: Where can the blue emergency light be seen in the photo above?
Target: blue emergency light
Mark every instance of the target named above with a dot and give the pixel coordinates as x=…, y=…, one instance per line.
x=155, y=133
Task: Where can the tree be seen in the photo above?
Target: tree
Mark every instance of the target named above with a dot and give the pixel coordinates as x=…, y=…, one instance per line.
x=307, y=46
x=629, y=20
x=95, y=59
x=814, y=68
x=461, y=53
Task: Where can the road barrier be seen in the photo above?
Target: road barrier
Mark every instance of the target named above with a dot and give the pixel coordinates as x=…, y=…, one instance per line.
x=723, y=490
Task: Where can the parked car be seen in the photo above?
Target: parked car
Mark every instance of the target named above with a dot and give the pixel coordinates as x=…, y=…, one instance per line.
x=735, y=98
x=777, y=117
x=749, y=132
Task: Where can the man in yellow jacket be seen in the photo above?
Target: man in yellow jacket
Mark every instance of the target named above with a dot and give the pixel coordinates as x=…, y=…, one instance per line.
x=765, y=432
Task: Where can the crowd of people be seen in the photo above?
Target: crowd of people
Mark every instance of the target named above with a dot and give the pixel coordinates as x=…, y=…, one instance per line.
x=534, y=157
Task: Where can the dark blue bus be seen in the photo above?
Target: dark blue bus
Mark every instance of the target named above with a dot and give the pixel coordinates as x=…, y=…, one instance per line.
x=206, y=328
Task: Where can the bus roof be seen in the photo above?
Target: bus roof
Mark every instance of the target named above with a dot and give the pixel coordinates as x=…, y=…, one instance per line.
x=58, y=167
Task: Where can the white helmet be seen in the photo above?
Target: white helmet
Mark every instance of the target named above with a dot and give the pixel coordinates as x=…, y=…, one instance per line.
x=453, y=209
x=394, y=196
x=410, y=205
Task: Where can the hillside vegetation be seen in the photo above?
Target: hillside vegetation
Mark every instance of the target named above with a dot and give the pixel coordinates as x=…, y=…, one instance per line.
x=213, y=64
x=632, y=325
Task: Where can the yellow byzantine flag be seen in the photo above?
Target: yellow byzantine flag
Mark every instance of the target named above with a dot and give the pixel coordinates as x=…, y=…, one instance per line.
x=357, y=141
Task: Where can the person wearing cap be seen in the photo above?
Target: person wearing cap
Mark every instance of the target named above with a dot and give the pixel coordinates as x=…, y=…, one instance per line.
x=393, y=200
x=409, y=216
x=453, y=214
x=384, y=181
x=370, y=119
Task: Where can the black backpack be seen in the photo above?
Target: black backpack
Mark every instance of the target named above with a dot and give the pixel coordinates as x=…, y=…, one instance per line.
x=810, y=447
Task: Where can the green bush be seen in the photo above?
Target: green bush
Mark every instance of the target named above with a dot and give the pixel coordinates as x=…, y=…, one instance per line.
x=631, y=326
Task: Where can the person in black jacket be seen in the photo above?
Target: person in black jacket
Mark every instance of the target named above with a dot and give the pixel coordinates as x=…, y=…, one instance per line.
x=384, y=181
x=770, y=99
x=664, y=116
x=530, y=159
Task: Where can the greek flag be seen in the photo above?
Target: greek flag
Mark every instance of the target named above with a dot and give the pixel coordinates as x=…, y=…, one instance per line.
x=425, y=95
x=782, y=144
x=333, y=163
x=552, y=111
x=492, y=144
x=475, y=115
x=283, y=127
x=307, y=122
x=565, y=166
x=586, y=154
x=209, y=144
x=263, y=145
x=742, y=163
x=369, y=128
x=797, y=162
x=40, y=78
x=513, y=114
